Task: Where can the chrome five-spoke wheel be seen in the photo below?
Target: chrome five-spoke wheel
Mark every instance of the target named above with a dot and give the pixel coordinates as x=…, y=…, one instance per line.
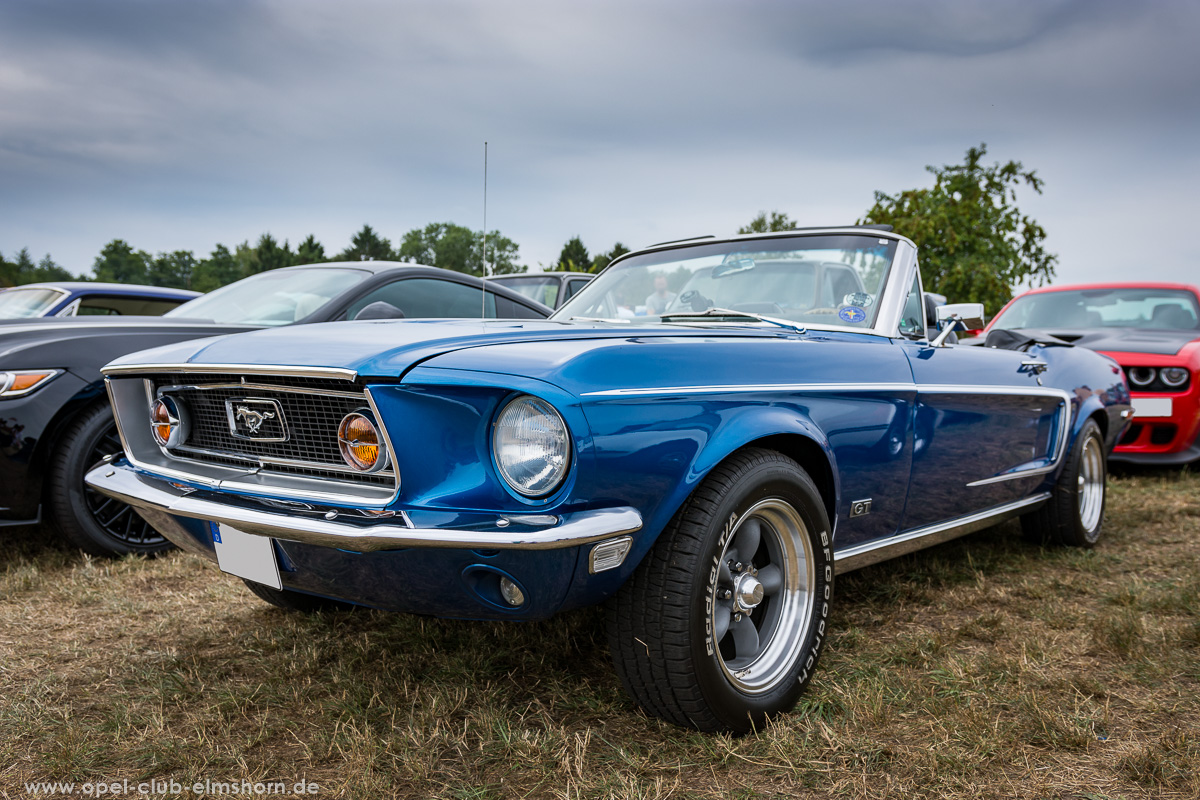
x=721, y=625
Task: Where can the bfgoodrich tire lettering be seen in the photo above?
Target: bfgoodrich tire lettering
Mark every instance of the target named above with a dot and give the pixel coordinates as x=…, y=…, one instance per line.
x=1074, y=514
x=722, y=624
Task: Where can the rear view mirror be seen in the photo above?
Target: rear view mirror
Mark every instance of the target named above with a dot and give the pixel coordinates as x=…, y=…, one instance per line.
x=379, y=310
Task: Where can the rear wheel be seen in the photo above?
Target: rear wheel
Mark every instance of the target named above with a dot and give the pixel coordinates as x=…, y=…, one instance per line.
x=296, y=601
x=721, y=625
x=87, y=519
x=1074, y=514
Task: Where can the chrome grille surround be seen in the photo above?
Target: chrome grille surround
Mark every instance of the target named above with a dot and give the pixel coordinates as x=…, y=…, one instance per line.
x=306, y=463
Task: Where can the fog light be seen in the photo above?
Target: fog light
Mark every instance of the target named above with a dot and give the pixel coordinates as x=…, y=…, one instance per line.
x=511, y=593
x=360, y=443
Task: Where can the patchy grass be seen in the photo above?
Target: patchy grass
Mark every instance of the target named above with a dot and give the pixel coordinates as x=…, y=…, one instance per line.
x=988, y=667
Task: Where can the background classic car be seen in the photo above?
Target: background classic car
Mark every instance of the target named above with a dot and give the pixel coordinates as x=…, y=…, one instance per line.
x=55, y=421
x=1153, y=331
x=705, y=471
x=552, y=289
x=84, y=299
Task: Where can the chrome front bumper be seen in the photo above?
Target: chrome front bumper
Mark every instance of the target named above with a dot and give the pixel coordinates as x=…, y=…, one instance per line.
x=347, y=531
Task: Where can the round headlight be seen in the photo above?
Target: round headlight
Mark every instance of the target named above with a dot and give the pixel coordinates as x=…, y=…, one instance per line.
x=167, y=422
x=361, y=444
x=1142, y=376
x=531, y=445
x=1173, y=376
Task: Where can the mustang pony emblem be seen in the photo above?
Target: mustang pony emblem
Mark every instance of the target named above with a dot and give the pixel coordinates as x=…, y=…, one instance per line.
x=254, y=419
x=248, y=419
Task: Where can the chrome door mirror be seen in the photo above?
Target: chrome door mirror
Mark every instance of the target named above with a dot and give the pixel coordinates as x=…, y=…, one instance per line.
x=957, y=317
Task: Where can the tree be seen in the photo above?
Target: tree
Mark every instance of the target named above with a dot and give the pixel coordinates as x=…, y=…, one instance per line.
x=119, y=263
x=451, y=246
x=217, y=270
x=976, y=246
x=310, y=251
x=574, y=256
x=777, y=221
x=47, y=270
x=272, y=255
x=602, y=260
x=367, y=246
x=172, y=270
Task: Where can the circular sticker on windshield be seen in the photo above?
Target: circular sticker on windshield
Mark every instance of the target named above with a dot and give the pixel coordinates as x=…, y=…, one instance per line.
x=860, y=299
x=852, y=314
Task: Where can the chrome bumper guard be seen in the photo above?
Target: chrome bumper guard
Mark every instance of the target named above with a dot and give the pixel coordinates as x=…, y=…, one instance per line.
x=509, y=532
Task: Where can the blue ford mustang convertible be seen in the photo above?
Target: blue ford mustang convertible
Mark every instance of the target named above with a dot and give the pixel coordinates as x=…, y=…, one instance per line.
x=706, y=471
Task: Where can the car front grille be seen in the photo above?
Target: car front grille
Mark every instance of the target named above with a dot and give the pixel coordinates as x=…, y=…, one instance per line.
x=298, y=420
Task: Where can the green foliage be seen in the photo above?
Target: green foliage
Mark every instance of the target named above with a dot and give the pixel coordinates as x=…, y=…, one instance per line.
x=23, y=270
x=217, y=270
x=602, y=260
x=120, y=263
x=976, y=246
x=574, y=256
x=310, y=251
x=269, y=254
x=366, y=245
x=450, y=246
x=764, y=223
x=172, y=270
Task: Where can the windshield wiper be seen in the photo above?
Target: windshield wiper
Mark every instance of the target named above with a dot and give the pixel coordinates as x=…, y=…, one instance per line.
x=728, y=312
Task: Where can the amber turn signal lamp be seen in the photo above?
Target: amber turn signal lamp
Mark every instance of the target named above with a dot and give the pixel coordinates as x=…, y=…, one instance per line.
x=360, y=443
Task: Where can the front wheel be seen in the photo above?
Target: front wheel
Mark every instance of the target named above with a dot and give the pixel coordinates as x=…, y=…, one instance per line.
x=721, y=625
x=1074, y=514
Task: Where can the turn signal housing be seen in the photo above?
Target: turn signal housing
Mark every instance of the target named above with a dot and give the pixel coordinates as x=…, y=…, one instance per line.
x=167, y=422
x=361, y=443
x=16, y=384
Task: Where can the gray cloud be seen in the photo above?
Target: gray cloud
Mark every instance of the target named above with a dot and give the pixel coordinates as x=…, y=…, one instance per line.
x=187, y=124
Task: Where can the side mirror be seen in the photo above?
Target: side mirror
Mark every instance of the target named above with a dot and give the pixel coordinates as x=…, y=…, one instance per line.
x=968, y=315
x=379, y=310
x=957, y=317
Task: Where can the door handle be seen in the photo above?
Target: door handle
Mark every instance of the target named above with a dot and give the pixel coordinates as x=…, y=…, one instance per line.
x=1034, y=367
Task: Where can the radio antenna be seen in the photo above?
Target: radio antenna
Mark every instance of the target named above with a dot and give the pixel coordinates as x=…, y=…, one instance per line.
x=483, y=289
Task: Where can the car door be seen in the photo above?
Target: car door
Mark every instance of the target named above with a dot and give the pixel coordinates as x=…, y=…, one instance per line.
x=985, y=428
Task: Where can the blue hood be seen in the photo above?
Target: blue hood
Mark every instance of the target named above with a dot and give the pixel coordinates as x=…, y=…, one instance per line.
x=388, y=348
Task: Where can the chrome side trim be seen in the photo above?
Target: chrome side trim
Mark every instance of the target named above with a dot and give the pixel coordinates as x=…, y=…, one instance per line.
x=864, y=555
x=743, y=388
x=147, y=493
x=335, y=373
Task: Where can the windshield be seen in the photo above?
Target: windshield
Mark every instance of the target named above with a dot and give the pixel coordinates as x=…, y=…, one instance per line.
x=16, y=303
x=541, y=289
x=812, y=280
x=1131, y=307
x=277, y=297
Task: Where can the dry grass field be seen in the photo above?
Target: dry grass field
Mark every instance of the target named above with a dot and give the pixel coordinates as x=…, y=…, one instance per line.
x=985, y=668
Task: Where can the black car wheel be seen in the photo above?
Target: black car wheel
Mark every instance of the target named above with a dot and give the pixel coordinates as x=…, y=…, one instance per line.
x=87, y=519
x=1074, y=514
x=721, y=625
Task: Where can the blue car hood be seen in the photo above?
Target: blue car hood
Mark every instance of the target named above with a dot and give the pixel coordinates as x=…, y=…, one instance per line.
x=388, y=348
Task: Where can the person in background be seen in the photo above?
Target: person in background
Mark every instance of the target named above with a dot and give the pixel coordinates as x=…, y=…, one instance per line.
x=660, y=298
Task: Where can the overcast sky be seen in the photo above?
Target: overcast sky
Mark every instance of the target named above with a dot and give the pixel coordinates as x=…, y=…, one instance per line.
x=179, y=125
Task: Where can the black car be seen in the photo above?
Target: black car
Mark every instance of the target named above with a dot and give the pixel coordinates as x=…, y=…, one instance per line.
x=549, y=288
x=55, y=420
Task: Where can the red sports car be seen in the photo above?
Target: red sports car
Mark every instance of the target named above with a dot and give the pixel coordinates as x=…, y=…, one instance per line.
x=1153, y=332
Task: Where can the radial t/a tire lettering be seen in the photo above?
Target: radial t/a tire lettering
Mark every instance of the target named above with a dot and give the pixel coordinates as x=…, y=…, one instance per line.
x=722, y=624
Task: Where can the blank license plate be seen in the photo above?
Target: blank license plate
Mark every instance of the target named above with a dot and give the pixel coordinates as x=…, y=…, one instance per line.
x=246, y=555
x=1152, y=406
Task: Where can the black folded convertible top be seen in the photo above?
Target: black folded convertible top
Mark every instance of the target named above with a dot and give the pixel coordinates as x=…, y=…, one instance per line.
x=1021, y=340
